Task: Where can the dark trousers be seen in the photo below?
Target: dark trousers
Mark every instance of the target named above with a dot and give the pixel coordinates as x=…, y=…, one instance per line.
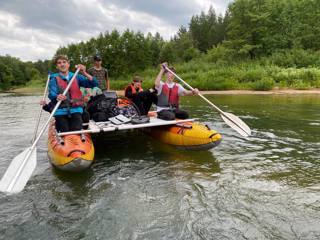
x=66, y=123
x=171, y=114
x=143, y=100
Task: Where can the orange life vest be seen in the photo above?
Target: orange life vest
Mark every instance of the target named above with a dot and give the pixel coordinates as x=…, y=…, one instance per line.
x=133, y=89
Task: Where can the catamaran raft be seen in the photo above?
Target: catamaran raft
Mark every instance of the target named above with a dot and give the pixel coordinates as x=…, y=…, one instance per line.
x=74, y=151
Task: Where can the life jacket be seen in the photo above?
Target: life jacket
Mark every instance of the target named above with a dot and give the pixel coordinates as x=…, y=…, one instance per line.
x=133, y=89
x=74, y=95
x=169, y=97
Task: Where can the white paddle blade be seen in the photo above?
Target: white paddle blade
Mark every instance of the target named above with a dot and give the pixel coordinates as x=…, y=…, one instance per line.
x=236, y=123
x=19, y=172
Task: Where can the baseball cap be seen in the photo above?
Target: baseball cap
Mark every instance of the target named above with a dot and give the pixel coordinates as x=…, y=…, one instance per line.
x=97, y=58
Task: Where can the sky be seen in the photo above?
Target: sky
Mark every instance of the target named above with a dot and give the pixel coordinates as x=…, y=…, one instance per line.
x=35, y=29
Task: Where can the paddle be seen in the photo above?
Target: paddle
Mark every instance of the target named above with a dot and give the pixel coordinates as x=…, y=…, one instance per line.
x=40, y=112
x=230, y=119
x=22, y=166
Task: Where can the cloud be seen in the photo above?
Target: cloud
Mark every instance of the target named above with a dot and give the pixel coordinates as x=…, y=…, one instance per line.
x=34, y=29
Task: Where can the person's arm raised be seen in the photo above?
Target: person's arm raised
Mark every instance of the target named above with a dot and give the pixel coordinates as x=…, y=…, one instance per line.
x=86, y=80
x=84, y=72
x=160, y=74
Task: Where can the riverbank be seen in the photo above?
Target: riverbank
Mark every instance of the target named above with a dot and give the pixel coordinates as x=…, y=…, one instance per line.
x=39, y=91
x=25, y=90
x=273, y=91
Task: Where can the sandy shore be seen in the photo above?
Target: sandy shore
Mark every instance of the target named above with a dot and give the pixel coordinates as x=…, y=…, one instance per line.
x=36, y=91
x=274, y=91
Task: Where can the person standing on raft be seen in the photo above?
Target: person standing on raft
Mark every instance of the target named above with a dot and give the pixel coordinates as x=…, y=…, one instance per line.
x=100, y=73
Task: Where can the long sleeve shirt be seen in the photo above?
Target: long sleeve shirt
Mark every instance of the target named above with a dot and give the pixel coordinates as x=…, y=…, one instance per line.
x=54, y=91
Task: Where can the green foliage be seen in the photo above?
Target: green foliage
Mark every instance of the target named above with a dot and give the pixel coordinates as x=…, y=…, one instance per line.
x=295, y=58
x=121, y=53
x=207, y=30
x=262, y=27
x=221, y=54
x=257, y=44
x=14, y=72
x=167, y=53
x=263, y=84
x=255, y=75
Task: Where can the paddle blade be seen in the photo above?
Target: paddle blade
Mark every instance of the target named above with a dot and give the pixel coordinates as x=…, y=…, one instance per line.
x=236, y=123
x=19, y=171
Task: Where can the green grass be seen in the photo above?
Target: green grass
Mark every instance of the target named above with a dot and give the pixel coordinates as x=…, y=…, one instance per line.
x=249, y=75
x=204, y=74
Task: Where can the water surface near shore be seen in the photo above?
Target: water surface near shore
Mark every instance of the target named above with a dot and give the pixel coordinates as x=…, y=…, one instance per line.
x=263, y=187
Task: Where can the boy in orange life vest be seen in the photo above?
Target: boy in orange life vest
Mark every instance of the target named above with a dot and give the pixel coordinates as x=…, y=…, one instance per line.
x=168, y=95
x=69, y=114
x=142, y=99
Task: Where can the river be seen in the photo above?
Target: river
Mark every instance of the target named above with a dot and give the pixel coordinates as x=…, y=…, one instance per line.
x=263, y=187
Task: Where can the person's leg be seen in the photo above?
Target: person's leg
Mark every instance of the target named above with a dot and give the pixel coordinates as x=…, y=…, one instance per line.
x=166, y=115
x=62, y=123
x=148, y=100
x=75, y=122
x=181, y=114
x=137, y=101
x=85, y=118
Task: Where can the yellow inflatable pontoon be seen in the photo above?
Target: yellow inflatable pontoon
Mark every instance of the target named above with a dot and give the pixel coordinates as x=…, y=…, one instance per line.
x=187, y=135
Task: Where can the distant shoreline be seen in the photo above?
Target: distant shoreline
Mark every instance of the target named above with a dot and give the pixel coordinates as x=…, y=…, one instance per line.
x=38, y=91
x=274, y=91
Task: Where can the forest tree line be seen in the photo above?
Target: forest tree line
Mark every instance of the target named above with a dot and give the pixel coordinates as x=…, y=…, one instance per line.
x=282, y=33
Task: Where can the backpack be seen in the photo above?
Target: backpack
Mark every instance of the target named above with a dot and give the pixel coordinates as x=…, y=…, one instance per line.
x=103, y=106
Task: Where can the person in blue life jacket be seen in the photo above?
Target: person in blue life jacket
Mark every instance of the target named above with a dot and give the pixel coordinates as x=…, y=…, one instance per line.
x=48, y=107
x=68, y=116
x=168, y=95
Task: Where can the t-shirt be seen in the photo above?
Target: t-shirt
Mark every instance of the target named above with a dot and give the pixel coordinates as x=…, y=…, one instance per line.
x=101, y=75
x=181, y=91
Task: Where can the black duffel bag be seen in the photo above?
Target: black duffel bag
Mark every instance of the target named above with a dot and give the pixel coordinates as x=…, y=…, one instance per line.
x=103, y=106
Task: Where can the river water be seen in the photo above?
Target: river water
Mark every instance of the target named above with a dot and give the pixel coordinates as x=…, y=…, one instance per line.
x=263, y=187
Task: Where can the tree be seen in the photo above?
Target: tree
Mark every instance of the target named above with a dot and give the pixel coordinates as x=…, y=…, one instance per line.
x=207, y=30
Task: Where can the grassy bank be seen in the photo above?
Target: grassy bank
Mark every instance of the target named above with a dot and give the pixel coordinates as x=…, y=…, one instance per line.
x=205, y=74
x=249, y=75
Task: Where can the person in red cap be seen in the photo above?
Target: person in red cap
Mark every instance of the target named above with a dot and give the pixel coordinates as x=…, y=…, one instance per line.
x=100, y=73
x=143, y=99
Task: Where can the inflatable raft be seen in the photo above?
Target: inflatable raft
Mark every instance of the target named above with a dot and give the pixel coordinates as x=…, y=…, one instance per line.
x=71, y=152
x=74, y=151
x=187, y=135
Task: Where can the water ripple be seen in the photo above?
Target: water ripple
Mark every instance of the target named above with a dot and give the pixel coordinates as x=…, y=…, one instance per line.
x=262, y=187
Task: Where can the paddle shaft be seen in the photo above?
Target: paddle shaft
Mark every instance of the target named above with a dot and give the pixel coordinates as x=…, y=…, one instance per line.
x=234, y=122
x=40, y=111
x=10, y=187
x=199, y=94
